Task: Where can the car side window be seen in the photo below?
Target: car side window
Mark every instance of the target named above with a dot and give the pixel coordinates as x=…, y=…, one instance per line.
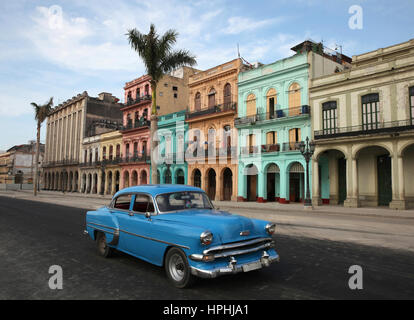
x=143, y=203
x=123, y=202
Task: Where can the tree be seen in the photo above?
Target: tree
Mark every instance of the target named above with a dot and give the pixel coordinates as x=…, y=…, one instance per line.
x=41, y=113
x=159, y=59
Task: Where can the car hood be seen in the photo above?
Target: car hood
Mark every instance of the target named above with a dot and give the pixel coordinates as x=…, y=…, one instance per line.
x=222, y=224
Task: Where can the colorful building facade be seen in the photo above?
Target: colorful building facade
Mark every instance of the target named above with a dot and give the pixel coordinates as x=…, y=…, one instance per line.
x=136, y=146
x=273, y=118
x=172, y=132
x=363, y=122
x=212, y=139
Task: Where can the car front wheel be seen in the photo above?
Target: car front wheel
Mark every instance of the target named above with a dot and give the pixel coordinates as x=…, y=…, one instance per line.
x=178, y=269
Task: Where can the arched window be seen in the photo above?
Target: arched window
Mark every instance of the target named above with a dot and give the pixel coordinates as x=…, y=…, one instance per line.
x=227, y=95
x=127, y=150
x=118, y=151
x=251, y=105
x=147, y=89
x=135, y=149
x=104, y=153
x=271, y=101
x=167, y=177
x=197, y=102
x=212, y=98
x=138, y=93
x=197, y=178
x=111, y=152
x=294, y=99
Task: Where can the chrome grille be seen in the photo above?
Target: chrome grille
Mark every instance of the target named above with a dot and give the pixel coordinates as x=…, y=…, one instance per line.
x=238, y=248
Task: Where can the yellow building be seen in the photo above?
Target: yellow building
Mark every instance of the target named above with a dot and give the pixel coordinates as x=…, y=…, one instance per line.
x=109, y=181
x=213, y=138
x=363, y=122
x=5, y=168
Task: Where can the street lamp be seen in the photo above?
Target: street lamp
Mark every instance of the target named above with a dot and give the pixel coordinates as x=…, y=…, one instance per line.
x=307, y=151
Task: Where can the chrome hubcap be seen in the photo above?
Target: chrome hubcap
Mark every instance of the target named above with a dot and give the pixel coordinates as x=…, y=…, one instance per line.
x=177, y=267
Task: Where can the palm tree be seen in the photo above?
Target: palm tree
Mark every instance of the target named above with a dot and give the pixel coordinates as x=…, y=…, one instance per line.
x=41, y=113
x=159, y=59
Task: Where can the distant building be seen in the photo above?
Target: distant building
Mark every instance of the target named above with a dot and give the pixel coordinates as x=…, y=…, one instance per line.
x=17, y=165
x=68, y=125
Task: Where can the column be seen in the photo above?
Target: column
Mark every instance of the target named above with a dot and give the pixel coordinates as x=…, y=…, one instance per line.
x=316, y=198
x=397, y=177
x=352, y=200
x=261, y=186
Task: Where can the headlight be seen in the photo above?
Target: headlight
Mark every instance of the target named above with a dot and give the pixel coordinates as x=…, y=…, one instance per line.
x=270, y=228
x=206, y=238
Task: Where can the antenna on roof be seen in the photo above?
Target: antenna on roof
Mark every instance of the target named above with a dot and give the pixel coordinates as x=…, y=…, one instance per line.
x=238, y=50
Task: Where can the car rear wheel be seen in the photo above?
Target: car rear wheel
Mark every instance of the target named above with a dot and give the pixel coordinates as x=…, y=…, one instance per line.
x=178, y=269
x=103, y=249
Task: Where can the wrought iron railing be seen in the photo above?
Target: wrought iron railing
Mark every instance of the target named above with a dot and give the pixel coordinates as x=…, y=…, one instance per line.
x=276, y=115
x=131, y=101
x=364, y=129
x=215, y=109
x=137, y=124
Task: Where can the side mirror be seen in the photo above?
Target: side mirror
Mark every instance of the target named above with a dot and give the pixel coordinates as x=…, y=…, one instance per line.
x=148, y=215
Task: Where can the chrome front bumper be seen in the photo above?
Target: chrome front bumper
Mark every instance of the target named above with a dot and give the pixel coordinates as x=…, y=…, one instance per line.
x=233, y=267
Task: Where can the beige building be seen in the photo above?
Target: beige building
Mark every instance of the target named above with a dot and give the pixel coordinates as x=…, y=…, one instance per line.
x=210, y=117
x=17, y=164
x=363, y=123
x=172, y=90
x=110, y=158
x=67, y=126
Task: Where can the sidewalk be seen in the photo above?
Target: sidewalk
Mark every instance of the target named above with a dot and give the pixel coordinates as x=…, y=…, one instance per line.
x=225, y=205
x=381, y=227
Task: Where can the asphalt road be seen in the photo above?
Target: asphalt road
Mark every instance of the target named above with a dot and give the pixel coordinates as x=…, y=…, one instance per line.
x=35, y=236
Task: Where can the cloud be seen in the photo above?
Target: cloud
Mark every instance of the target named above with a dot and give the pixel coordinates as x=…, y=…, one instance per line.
x=238, y=25
x=77, y=43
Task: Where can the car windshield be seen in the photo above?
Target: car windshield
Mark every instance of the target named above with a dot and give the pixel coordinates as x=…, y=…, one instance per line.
x=182, y=200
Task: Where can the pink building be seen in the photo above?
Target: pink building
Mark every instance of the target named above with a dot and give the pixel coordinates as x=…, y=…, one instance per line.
x=135, y=164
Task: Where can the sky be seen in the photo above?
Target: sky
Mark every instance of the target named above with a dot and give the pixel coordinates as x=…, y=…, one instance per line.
x=61, y=48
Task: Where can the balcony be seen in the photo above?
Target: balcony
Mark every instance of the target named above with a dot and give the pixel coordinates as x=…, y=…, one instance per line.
x=212, y=110
x=136, y=124
x=291, y=146
x=279, y=114
x=270, y=148
x=138, y=100
x=366, y=129
x=142, y=158
x=66, y=162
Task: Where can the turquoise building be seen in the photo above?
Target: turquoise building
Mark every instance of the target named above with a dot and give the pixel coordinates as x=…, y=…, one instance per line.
x=172, y=130
x=273, y=118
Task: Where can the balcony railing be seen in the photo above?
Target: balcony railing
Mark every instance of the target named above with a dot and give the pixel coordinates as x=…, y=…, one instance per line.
x=142, y=158
x=291, y=146
x=270, y=147
x=373, y=128
x=277, y=115
x=131, y=101
x=232, y=106
x=66, y=162
x=136, y=124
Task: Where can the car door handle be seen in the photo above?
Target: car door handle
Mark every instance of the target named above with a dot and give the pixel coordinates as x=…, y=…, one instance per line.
x=130, y=213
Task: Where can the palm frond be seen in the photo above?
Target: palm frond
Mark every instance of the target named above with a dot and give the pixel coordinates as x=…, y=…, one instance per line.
x=176, y=60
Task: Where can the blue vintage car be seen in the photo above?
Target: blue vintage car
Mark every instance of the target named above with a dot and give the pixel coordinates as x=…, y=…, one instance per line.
x=177, y=227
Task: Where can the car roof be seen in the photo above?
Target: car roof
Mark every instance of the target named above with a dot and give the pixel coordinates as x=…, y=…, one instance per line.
x=155, y=189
